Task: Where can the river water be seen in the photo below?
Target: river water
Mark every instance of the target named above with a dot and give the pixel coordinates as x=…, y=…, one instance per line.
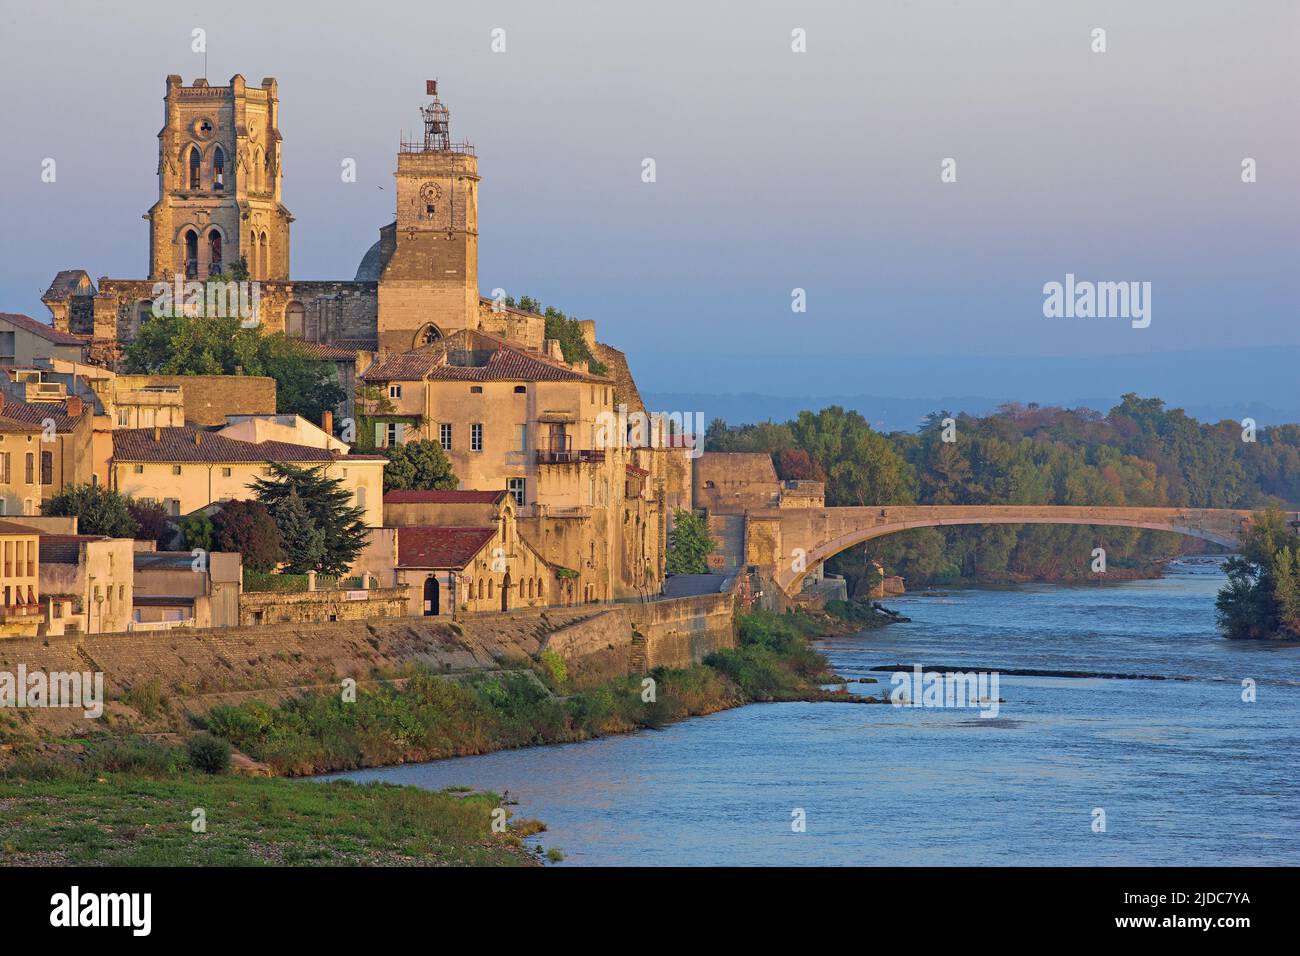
x=1184, y=771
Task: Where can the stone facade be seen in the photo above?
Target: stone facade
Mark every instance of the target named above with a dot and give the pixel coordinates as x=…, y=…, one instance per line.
x=312, y=607
x=219, y=178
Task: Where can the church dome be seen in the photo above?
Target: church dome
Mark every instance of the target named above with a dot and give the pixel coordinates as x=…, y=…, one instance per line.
x=371, y=265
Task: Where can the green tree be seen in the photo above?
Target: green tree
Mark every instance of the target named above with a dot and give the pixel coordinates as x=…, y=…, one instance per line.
x=419, y=465
x=328, y=506
x=1262, y=596
x=303, y=541
x=690, y=545
x=221, y=345
x=197, y=531
x=247, y=527
x=97, y=509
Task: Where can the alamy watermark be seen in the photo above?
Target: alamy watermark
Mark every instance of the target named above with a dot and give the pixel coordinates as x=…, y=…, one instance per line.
x=1074, y=299
x=214, y=299
x=621, y=429
x=957, y=689
x=76, y=689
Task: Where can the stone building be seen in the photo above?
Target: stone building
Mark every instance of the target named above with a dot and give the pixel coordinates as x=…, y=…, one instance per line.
x=20, y=591
x=472, y=373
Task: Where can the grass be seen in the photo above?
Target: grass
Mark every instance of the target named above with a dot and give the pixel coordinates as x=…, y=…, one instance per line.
x=431, y=718
x=161, y=813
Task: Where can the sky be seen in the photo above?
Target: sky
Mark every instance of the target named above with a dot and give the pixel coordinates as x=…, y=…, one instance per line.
x=775, y=170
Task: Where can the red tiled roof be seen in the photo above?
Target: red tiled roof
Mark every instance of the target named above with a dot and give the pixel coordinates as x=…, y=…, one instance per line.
x=177, y=444
x=11, y=527
x=504, y=362
x=440, y=547
x=634, y=470
x=326, y=351
x=47, y=332
x=35, y=413
x=453, y=497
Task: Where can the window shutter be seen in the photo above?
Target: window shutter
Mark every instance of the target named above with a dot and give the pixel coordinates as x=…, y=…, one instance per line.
x=379, y=434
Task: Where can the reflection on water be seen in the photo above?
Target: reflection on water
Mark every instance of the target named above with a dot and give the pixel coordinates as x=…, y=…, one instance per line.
x=1186, y=772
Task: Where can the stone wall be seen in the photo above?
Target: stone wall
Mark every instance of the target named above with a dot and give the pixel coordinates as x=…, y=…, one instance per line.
x=306, y=607
x=677, y=632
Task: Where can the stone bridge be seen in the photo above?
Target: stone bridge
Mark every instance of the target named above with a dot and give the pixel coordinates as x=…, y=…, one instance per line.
x=787, y=543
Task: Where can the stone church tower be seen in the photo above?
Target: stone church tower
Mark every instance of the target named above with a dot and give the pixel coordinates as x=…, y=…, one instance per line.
x=428, y=287
x=219, y=176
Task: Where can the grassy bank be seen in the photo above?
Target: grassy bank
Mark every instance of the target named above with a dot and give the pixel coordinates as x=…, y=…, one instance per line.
x=127, y=800
x=430, y=717
x=61, y=811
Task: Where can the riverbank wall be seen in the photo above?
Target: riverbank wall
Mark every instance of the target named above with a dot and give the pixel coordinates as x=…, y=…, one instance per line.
x=153, y=680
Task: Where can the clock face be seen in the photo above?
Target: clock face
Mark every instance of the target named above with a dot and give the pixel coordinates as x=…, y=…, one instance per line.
x=430, y=196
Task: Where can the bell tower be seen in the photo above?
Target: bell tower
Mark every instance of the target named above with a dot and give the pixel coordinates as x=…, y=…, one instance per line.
x=429, y=285
x=219, y=178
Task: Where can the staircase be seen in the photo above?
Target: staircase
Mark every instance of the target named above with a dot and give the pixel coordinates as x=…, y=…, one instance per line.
x=636, y=658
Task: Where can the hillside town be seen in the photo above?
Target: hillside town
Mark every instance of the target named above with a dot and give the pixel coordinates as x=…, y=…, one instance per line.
x=470, y=454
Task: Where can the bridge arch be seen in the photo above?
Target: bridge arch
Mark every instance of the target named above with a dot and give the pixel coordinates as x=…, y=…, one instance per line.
x=798, y=540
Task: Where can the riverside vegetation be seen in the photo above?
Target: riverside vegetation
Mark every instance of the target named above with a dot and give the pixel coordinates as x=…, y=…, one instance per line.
x=127, y=800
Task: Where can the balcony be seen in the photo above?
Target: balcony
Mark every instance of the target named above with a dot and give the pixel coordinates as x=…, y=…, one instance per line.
x=568, y=456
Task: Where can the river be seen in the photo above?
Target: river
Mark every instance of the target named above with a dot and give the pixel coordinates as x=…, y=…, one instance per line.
x=1184, y=771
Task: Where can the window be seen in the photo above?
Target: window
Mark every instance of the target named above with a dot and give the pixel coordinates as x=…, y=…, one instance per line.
x=214, y=253
x=444, y=435
x=475, y=437
x=191, y=254
x=521, y=389
x=521, y=437
x=516, y=488
x=218, y=169
x=173, y=506
x=473, y=389
x=31, y=468
x=394, y=391
x=4, y=467
x=138, y=469
x=361, y=497
x=392, y=434
x=194, y=167
x=293, y=320
x=176, y=469
x=124, y=417
x=6, y=348
x=225, y=472
x=47, y=467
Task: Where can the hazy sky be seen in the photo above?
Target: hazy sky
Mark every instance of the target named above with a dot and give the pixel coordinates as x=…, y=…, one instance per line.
x=775, y=169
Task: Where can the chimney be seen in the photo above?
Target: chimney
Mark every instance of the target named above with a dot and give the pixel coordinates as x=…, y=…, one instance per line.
x=327, y=422
x=73, y=406
x=198, y=438
x=157, y=433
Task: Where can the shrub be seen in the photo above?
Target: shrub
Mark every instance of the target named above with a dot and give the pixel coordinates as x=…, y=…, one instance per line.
x=208, y=754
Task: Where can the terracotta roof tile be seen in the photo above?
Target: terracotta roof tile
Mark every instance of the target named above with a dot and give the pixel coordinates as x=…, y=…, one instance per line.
x=177, y=444
x=36, y=413
x=473, y=356
x=44, y=330
x=440, y=547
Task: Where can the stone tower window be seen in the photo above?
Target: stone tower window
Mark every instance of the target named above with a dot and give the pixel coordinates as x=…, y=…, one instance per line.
x=194, y=167
x=191, y=254
x=218, y=169
x=214, y=252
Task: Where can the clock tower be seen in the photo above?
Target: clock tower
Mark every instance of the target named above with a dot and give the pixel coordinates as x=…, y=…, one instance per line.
x=429, y=285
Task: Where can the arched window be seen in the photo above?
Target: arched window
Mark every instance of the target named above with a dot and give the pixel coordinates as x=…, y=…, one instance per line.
x=251, y=256
x=191, y=254
x=214, y=252
x=218, y=169
x=194, y=167
x=489, y=589
x=264, y=256
x=293, y=319
x=480, y=589
x=540, y=592
x=255, y=179
x=530, y=587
